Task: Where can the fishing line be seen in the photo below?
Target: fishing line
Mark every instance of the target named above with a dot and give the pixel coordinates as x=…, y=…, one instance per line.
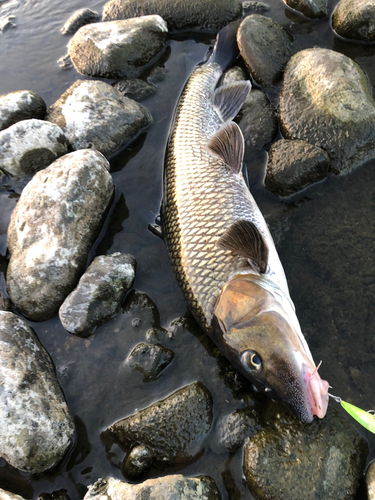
x=365, y=418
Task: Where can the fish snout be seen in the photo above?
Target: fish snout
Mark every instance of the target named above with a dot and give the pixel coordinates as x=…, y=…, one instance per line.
x=317, y=390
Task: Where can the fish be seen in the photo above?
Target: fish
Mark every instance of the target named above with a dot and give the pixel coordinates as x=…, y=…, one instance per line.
x=221, y=249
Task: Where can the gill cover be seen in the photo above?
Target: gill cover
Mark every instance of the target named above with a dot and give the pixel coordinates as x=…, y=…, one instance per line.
x=252, y=328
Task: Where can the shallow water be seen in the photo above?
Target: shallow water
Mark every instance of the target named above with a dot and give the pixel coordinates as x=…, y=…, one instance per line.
x=324, y=237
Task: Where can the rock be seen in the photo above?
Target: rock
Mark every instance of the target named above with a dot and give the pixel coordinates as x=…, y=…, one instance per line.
x=210, y=15
x=35, y=426
x=250, y=7
x=370, y=481
x=65, y=62
x=150, y=360
x=99, y=294
x=174, y=429
x=118, y=49
x=137, y=462
x=134, y=88
x=6, y=495
x=92, y=114
x=175, y=487
x=55, y=495
x=233, y=75
x=315, y=9
x=78, y=19
x=29, y=146
x=7, y=22
x=326, y=100
x=355, y=20
x=294, y=165
x=5, y=304
x=55, y=222
x=265, y=47
x=20, y=105
x=328, y=454
x=231, y=430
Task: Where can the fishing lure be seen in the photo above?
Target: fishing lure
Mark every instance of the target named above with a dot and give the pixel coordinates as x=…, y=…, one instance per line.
x=365, y=418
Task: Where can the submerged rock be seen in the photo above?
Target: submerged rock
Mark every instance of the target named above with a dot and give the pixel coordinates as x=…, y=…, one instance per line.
x=20, y=105
x=176, y=487
x=150, y=360
x=173, y=430
x=35, y=426
x=265, y=47
x=231, y=430
x=99, y=293
x=92, y=114
x=78, y=19
x=355, y=20
x=29, y=146
x=7, y=22
x=134, y=88
x=250, y=7
x=52, y=229
x=118, y=48
x=328, y=454
x=370, y=481
x=55, y=495
x=294, y=165
x=315, y=9
x=65, y=62
x=210, y=15
x=326, y=100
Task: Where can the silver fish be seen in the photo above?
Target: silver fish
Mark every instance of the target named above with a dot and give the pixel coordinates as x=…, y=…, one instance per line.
x=221, y=249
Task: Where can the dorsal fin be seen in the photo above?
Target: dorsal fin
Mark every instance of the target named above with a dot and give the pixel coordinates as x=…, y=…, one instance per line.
x=244, y=238
x=228, y=143
x=229, y=99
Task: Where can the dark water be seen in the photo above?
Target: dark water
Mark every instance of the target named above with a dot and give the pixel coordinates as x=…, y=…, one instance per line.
x=325, y=237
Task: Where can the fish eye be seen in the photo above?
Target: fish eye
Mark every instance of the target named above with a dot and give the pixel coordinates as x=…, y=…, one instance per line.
x=251, y=361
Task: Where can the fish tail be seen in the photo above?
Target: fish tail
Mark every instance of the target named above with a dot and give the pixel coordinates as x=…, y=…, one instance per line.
x=225, y=49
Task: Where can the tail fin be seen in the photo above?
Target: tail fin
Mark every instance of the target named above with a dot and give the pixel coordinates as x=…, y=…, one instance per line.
x=226, y=49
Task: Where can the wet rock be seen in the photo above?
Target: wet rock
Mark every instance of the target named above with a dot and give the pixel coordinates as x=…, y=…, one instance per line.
x=5, y=304
x=134, y=88
x=157, y=75
x=210, y=15
x=370, y=481
x=20, y=105
x=150, y=360
x=92, y=114
x=355, y=20
x=250, y=7
x=137, y=462
x=35, y=426
x=29, y=146
x=315, y=9
x=231, y=430
x=168, y=487
x=99, y=294
x=173, y=429
x=328, y=454
x=265, y=47
x=7, y=22
x=326, y=100
x=294, y=165
x=6, y=495
x=55, y=495
x=55, y=222
x=78, y=19
x=65, y=62
x=233, y=75
x=118, y=49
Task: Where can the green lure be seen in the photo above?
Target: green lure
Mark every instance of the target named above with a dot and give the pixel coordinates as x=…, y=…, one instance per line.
x=366, y=419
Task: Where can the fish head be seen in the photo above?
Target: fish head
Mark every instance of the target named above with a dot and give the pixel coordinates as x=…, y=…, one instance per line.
x=253, y=330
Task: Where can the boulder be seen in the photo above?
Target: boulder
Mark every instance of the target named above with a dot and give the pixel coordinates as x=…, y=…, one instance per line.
x=56, y=220
x=78, y=19
x=118, y=49
x=92, y=114
x=265, y=47
x=150, y=360
x=294, y=165
x=210, y=15
x=326, y=100
x=134, y=88
x=35, y=426
x=29, y=146
x=20, y=105
x=315, y=9
x=99, y=293
x=355, y=20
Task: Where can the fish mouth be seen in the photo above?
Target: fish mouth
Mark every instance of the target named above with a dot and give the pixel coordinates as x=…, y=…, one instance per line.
x=317, y=389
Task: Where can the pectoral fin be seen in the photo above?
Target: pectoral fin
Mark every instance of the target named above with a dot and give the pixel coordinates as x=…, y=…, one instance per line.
x=243, y=238
x=229, y=99
x=229, y=145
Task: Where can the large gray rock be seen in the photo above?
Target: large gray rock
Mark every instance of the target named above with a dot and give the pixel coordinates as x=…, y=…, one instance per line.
x=20, y=105
x=99, y=293
x=92, y=114
x=265, y=47
x=35, y=426
x=52, y=229
x=329, y=456
x=118, y=48
x=78, y=19
x=315, y=9
x=175, y=487
x=173, y=430
x=294, y=165
x=326, y=100
x=355, y=20
x=29, y=146
x=210, y=15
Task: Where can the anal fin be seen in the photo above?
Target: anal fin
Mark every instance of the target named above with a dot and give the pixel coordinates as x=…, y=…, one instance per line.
x=245, y=239
x=229, y=99
x=228, y=144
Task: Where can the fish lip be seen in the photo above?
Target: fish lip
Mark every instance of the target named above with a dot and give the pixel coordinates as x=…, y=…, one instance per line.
x=316, y=389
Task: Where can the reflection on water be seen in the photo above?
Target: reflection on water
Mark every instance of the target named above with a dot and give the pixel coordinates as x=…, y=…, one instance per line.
x=325, y=237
